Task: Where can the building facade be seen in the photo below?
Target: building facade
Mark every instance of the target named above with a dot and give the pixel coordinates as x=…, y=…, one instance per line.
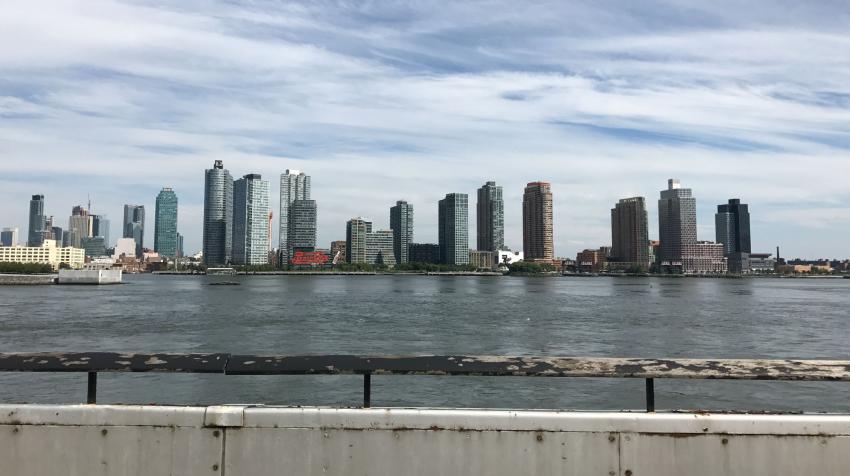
x=218, y=215
x=732, y=227
x=47, y=253
x=428, y=253
x=303, y=216
x=165, y=224
x=704, y=257
x=592, y=261
x=506, y=257
x=537, y=223
x=94, y=246
x=483, y=260
x=134, y=226
x=401, y=223
x=100, y=227
x=490, y=218
x=250, y=221
x=453, y=224
x=677, y=225
x=630, y=234
x=36, y=221
x=380, y=248
x=355, y=239
x=79, y=226
x=9, y=237
x=294, y=185
x=338, y=253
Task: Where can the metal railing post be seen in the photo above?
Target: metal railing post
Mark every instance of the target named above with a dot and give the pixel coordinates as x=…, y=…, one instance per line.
x=91, y=395
x=367, y=389
x=650, y=395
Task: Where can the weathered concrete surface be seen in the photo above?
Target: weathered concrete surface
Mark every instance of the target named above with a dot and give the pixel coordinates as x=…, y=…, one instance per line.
x=247, y=440
x=90, y=276
x=21, y=279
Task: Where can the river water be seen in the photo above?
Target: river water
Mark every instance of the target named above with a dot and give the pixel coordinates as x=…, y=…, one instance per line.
x=616, y=317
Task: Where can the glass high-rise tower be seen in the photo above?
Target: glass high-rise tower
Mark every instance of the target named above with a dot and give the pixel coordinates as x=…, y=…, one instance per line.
x=453, y=225
x=165, y=224
x=250, y=220
x=401, y=223
x=294, y=185
x=490, y=218
x=218, y=215
x=36, y=221
x=134, y=226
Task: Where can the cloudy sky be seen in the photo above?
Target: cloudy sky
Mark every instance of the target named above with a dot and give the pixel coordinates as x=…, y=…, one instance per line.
x=385, y=100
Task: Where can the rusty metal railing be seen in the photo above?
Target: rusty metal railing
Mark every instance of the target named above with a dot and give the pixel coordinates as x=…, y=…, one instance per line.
x=93, y=363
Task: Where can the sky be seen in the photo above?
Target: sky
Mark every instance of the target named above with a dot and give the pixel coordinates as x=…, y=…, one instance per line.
x=386, y=100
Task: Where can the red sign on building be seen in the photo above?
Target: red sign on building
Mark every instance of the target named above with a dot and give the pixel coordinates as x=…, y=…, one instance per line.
x=309, y=258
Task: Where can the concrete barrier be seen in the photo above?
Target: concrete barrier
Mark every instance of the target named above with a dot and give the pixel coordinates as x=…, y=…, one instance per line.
x=248, y=440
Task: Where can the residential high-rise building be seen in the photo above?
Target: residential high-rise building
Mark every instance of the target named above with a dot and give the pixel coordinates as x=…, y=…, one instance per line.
x=630, y=234
x=401, y=223
x=677, y=224
x=490, y=218
x=537, y=224
x=218, y=215
x=100, y=227
x=294, y=185
x=9, y=237
x=379, y=248
x=79, y=226
x=355, y=239
x=36, y=221
x=732, y=227
x=250, y=220
x=302, y=226
x=453, y=229
x=165, y=223
x=134, y=226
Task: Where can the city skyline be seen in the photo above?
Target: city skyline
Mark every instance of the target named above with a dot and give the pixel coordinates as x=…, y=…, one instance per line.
x=603, y=102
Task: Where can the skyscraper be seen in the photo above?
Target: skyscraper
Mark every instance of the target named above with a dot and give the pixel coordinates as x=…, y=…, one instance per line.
x=250, y=220
x=218, y=215
x=401, y=223
x=100, y=227
x=630, y=233
x=134, y=226
x=677, y=223
x=9, y=237
x=165, y=223
x=294, y=185
x=453, y=229
x=732, y=227
x=302, y=226
x=79, y=226
x=355, y=239
x=537, y=223
x=36, y=222
x=490, y=218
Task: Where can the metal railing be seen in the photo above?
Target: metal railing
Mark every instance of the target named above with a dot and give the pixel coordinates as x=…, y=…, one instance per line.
x=93, y=363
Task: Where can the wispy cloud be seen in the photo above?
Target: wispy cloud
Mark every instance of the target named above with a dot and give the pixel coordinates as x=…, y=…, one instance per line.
x=386, y=100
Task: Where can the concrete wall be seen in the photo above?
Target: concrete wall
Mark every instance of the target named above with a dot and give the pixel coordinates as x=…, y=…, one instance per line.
x=239, y=440
x=15, y=279
x=90, y=276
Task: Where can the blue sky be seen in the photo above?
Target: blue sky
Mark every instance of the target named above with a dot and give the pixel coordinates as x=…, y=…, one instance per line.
x=384, y=100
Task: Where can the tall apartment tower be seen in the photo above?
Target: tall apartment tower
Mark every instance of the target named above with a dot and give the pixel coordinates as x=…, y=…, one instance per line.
x=453, y=224
x=490, y=218
x=9, y=237
x=401, y=223
x=218, y=215
x=355, y=239
x=79, y=226
x=302, y=226
x=294, y=185
x=537, y=223
x=250, y=220
x=630, y=232
x=677, y=222
x=36, y=222
x=134, y=226
x=732, y=226
x=165, y=223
